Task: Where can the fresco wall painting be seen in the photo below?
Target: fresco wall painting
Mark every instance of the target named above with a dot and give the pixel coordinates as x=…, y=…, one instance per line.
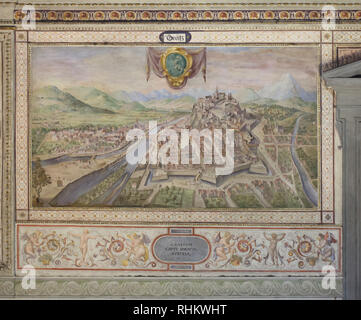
x=79, y=125
x=71, y=150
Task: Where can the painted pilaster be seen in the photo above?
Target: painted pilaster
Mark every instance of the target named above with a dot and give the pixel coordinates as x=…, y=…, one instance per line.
x=347, y=84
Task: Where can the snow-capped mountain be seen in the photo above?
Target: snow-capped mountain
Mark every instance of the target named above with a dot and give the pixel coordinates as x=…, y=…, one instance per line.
x=287, y=87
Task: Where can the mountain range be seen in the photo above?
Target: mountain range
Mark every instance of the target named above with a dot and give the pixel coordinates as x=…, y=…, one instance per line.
x=286, y=91
x=51, y=99
x=95, y=97
x=101, y=99
x=158, y=95
x=287, y=87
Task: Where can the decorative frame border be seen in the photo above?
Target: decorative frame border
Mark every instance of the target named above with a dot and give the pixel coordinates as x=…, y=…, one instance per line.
x=105, y=237
x=216, y=36
x=181, y=15
x=6, y=154
x=180, y=287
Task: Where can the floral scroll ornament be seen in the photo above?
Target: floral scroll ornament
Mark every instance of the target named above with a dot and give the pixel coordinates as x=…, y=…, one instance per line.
x=176, y=65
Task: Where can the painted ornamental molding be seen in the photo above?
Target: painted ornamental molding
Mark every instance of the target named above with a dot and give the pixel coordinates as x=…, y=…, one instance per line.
x=233, y=288
x=239, y=16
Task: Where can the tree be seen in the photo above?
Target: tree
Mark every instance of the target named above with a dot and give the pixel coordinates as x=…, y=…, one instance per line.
x=40, y=179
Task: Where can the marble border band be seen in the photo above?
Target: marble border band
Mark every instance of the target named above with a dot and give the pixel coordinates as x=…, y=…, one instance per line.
x=257, y=287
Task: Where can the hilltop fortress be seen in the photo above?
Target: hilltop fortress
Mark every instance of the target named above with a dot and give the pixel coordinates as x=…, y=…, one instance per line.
x=222, y=110
x=218, y=111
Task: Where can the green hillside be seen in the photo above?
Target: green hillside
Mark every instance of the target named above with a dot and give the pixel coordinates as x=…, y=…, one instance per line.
x=52, y=100
x=95, y=97
x=135, y=106
x=52, y=108
x=121, y=95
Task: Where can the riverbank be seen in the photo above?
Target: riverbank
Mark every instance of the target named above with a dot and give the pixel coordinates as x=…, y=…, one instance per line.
x=307, y=185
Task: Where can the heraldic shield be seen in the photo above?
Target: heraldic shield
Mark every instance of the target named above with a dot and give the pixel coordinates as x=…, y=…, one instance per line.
x=176, y=64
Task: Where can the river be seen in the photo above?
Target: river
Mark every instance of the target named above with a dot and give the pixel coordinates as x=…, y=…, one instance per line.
x=307, y=185
x=77, y=188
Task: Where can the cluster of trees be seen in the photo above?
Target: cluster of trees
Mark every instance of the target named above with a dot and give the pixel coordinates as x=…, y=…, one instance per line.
x=169, y=197
x=37, y=136
x=285, y=160
x=310, y=160
x=132, y=197
x=284, y=199
x=214, y=202
x=100, y=189
x=308, y=125
x=39, y=180
x=246, y=201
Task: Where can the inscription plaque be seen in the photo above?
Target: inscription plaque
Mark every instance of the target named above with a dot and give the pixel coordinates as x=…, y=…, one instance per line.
x=181, y=249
